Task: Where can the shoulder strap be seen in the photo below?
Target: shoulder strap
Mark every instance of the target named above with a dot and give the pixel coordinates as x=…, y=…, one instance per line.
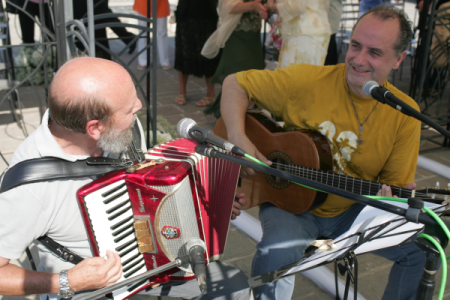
x=60, y=251
x=52, y=168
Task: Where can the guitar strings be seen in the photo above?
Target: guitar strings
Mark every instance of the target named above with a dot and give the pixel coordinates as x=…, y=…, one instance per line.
x=334, y=179
x=361, y=184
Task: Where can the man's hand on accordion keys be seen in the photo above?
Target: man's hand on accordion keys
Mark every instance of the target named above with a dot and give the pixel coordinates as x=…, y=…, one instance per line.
x=238, y=203
x=95, y=272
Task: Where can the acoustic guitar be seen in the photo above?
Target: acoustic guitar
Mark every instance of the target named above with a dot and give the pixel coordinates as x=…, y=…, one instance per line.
x=306, y=154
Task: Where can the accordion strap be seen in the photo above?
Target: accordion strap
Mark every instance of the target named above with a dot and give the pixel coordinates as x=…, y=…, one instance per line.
x=52, y=168
x=60, y=251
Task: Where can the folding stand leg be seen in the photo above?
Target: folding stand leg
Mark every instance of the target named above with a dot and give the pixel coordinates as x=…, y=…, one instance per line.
x=350, y=267
x=427, y=282
x=336, y=279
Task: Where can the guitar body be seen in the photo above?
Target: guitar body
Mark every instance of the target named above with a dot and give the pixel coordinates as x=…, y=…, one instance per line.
x=308, y=149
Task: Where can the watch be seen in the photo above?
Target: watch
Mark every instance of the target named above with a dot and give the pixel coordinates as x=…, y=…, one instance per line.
x=64, y=290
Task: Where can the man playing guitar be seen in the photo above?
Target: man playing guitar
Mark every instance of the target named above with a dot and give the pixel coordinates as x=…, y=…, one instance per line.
x=369, y=141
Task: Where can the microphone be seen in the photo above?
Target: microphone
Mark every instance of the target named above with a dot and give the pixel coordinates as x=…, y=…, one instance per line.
x=196, y=250
x=383, y=95
x=188, y=128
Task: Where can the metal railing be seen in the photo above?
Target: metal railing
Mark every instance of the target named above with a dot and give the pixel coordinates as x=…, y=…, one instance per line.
x=67, y=38
x=430, y=72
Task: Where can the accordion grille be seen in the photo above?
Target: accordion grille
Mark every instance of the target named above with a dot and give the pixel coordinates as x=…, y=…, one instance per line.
x=177, y=210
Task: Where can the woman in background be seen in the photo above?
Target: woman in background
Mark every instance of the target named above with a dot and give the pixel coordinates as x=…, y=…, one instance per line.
x=239, y=34
x=196, y=21
x=305, y=31
x=163, y=11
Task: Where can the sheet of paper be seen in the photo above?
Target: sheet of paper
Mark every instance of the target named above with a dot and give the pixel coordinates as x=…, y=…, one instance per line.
x=392, y=230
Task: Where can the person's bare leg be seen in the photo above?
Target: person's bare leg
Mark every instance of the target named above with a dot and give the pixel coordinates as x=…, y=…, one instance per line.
x=210, y=95
x=181, y=98
x=183, y=82
x=209, y=88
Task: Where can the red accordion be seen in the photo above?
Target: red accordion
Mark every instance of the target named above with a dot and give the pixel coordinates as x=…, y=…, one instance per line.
x=149, y=215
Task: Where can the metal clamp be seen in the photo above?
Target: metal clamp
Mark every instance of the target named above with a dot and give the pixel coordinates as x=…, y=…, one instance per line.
x=59, y=251
x=414, y=209
x=64, y=254
x=125, y=163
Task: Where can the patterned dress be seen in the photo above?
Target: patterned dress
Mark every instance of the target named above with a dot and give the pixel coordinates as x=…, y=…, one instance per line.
x=305, y=31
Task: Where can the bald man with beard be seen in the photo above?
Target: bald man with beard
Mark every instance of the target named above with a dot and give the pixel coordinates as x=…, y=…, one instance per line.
x=92, y=106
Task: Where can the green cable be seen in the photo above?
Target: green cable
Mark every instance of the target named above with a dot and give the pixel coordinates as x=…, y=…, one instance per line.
x=426, y=236
x=429, y=211
x=431, y=239
x=255, y=160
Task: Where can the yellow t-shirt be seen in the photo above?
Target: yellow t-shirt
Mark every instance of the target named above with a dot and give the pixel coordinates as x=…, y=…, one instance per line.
x=310, y=97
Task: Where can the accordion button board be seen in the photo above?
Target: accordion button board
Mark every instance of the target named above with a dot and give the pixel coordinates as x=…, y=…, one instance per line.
x=143, y=235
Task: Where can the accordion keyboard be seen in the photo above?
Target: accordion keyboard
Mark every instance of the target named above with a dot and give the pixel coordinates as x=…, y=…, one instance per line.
x=149, y=216
x=112, y=222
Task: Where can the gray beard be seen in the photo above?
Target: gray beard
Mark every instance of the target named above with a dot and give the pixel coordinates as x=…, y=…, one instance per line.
x=115, y=141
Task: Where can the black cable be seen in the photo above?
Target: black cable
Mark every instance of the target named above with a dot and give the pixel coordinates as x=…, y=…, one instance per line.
x=31, y=259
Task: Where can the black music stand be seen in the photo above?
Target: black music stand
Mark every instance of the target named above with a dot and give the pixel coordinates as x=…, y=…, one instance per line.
x=372, y=230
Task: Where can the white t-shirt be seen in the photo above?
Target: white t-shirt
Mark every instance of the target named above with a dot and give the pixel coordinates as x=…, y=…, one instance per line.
x=33, y=210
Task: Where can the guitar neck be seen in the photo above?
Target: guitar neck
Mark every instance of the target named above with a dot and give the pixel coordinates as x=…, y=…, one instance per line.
x=345, y=182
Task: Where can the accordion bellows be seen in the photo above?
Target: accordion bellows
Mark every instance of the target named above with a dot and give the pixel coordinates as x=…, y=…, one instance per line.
x=149, y=215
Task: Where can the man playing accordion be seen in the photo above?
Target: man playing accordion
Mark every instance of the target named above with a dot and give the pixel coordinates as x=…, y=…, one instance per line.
x=92, y=107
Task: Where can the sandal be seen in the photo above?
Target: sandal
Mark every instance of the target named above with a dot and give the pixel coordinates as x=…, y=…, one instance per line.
x=205, y=101
x=180, y=99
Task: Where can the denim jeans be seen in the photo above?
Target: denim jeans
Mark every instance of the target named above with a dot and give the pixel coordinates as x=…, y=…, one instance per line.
x=286, y=237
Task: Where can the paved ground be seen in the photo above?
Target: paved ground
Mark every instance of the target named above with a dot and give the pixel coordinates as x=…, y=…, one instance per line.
x=373, y=271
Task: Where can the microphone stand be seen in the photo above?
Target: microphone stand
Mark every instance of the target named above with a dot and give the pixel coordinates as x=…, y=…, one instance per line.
x=427, y=282
x=179, y=261
x=389, y=99
x=412, y=214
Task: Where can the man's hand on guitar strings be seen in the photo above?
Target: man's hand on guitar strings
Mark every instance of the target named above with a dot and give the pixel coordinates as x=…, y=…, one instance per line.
x=238, y=203
x=245, y=144
x=386, y=190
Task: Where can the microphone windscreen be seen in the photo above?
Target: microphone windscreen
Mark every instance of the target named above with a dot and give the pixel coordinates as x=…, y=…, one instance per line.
x=183, y=127
x=368, y=86
x=194, y=241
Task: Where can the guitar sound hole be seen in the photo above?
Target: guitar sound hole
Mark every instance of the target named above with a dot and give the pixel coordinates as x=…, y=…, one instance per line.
x=279, y=164
x=280, y=161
